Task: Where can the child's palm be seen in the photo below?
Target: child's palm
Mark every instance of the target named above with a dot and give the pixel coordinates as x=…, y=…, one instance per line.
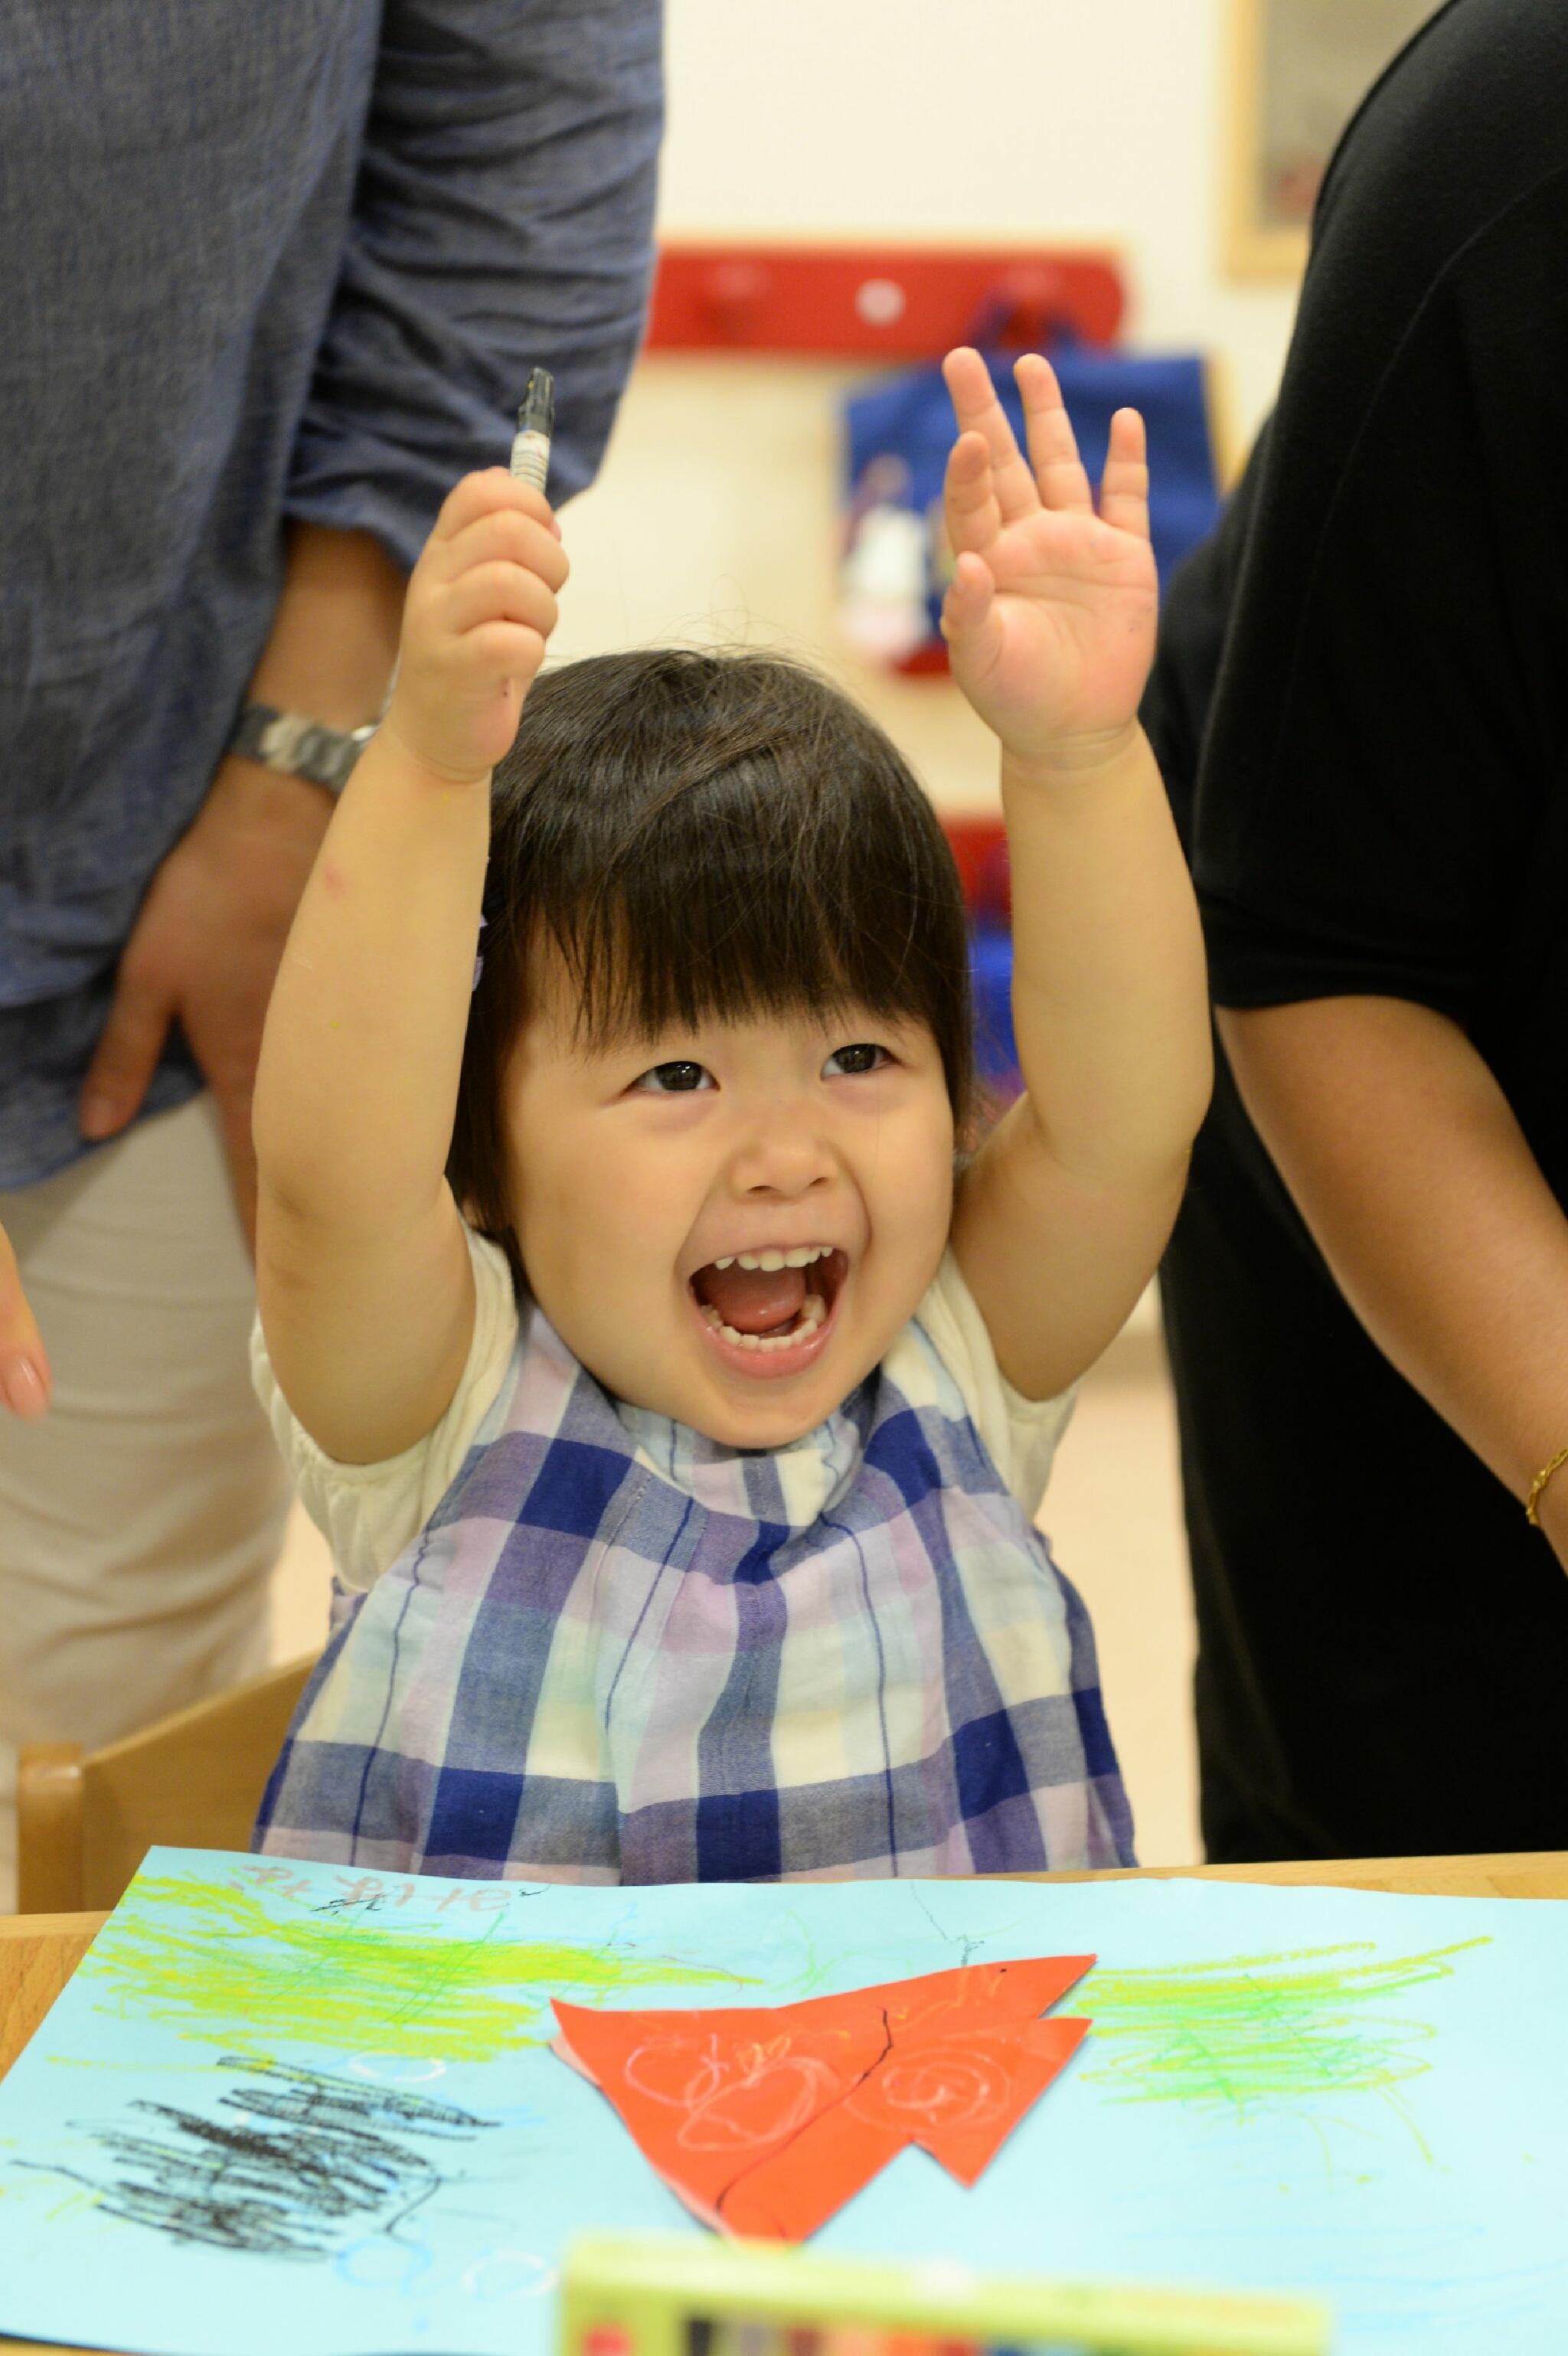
x=1050, y=616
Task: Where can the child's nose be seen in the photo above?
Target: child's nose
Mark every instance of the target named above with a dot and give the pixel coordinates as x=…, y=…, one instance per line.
x=781, y=1156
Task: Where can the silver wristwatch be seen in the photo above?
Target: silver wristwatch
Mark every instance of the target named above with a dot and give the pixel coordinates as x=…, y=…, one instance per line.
x=298, y=747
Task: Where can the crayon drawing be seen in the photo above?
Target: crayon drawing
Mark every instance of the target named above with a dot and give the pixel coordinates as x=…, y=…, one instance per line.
x=292, y=2157
x=353, y=1970
x=286, y=2106
x=1261, y=2030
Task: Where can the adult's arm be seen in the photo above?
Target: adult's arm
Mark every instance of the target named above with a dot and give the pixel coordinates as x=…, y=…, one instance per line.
x=503, y=220
x=502, y=216
x=208, y=936
x=1409, y=1167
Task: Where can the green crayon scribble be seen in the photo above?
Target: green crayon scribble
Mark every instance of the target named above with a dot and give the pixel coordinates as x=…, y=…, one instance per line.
x=216, y=1964
x=1262, y=2028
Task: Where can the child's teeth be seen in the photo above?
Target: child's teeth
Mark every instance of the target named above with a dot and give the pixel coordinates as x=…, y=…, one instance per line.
x=801, y=1256
x=813, y=1311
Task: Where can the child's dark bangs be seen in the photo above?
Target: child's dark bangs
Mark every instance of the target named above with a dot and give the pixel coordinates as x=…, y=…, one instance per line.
x=757, y=892
x=706, y=837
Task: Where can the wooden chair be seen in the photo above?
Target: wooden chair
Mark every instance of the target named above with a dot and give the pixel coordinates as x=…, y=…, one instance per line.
x=85, y=1822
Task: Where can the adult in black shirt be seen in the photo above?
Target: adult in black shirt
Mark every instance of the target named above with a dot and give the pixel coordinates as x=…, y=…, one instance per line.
x=1361, y=707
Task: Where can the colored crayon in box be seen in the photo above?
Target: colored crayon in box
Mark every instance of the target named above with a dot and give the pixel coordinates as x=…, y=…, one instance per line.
x=662, y=2294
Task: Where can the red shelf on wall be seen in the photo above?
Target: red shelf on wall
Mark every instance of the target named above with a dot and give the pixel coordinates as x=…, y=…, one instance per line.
x=896, y=303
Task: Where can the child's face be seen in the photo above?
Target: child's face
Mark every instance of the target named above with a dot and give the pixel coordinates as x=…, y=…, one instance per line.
x=637, y=1169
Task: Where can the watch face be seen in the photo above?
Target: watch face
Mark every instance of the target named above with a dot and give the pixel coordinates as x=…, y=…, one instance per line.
x=298, y=747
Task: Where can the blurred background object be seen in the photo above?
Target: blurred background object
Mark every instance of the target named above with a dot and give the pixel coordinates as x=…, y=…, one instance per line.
x=1298, y=68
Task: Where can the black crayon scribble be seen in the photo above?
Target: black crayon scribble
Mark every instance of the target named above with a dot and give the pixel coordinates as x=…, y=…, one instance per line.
x=302, y=2155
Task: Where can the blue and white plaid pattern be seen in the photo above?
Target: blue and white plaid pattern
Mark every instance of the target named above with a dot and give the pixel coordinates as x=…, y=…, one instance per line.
x=619, y=1652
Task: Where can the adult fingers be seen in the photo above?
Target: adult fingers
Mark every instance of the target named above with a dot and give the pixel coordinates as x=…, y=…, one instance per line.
x=978, y=410
x=127, y=1055
x=1059, y=470
x=23, y=1366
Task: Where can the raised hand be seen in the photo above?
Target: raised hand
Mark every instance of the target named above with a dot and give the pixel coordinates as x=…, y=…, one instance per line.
x=481, y=607
x=1050, y=616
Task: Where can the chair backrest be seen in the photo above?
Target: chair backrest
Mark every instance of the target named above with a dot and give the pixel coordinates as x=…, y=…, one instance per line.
x=84, y=1821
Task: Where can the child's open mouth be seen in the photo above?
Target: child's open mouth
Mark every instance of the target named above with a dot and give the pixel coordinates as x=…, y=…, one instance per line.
x=770, y=1312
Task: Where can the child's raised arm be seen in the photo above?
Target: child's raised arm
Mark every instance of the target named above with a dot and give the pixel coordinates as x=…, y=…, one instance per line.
x=1050, y=621
x=362, y=1271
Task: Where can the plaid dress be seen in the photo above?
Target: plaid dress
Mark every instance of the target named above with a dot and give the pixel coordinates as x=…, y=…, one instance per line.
x=620, y=1652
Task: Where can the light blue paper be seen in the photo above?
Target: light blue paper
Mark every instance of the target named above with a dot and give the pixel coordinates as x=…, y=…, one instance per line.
x=1360, y=2097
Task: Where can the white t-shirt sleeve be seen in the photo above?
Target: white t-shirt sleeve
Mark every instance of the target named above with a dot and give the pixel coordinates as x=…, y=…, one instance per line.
x=369, y=1513
x=1020, y=1434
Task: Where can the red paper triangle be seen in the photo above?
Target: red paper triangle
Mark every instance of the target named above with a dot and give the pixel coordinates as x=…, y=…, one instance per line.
x=765, y=2120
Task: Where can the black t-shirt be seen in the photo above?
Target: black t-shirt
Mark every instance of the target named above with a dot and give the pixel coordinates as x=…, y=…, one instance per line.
x=1375, y=785
x=1360, y=706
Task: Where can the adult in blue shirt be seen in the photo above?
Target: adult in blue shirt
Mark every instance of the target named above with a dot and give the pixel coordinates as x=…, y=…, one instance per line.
x=272, y=279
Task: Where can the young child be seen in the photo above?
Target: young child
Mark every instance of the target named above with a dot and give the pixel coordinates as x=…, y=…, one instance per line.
x=675, y=1389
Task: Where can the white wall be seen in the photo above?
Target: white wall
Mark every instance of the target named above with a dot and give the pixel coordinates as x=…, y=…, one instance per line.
x=1078, y=120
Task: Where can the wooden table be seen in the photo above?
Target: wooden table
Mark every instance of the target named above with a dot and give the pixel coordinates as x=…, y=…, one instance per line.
x=39, y=1953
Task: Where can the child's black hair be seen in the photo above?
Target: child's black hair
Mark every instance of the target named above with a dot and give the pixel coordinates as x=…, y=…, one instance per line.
x=703, y=835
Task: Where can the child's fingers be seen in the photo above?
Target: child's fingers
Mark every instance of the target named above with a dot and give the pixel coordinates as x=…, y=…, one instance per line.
x=1052, y=446
x=978, y=410
x=499, y=593
x=969, y=606
x=480, y=494
x=969, y=494
x=499, y=652
x=505, y=535
x=1124, y=486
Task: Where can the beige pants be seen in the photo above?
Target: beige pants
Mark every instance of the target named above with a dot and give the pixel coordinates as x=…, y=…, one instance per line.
x=140, y=1519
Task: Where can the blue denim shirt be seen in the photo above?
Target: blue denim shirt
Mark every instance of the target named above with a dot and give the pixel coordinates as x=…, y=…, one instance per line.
x=259, y=259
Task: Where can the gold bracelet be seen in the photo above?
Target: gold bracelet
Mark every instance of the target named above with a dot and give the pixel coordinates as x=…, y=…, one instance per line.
x=1539, y=1482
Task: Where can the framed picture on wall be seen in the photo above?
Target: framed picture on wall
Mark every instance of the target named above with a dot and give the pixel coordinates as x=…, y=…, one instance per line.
x=1297, y=69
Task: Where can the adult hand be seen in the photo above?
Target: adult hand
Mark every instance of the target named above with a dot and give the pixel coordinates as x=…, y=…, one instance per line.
x=205, y=948
x=24, y=1368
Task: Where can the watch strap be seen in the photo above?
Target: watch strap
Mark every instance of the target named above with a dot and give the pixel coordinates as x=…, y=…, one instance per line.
x=297, y=747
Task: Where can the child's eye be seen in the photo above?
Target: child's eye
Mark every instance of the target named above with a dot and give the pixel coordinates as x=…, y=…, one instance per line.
x=847, y=1063
x=674, y=1079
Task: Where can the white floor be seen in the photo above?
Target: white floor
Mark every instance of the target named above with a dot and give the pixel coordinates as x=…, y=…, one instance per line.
x=1114, y=1515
